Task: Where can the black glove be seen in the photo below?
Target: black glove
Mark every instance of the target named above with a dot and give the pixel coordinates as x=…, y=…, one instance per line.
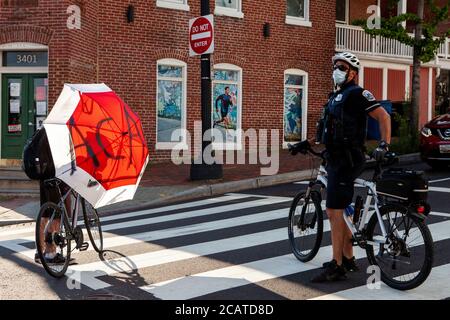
x=380, y=151
x=301, y=147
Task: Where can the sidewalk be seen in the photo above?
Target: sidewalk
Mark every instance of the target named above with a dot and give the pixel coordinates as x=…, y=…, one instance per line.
x=165, y=183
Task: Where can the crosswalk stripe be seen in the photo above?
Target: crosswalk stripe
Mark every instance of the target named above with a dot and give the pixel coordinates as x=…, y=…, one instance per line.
x=197, y=228
x=209, y=201
x=187, y=230
x=235, y=276
x=192, y=214
x=439, y=189
x=435, y=287
x=96, y=269
x=439, y=180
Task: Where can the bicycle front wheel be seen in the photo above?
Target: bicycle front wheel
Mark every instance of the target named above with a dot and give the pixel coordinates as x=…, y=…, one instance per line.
x=405, y=257
x=93, y=225
x=305, y=225
x=53, y=240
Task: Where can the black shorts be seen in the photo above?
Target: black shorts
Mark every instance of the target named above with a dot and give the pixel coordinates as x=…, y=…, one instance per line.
x=224, y=114
x=49, y=194
x=343, y=168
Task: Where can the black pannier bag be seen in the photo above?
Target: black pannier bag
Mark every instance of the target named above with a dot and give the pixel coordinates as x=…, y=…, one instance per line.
x=403, y=185
x=37, y=160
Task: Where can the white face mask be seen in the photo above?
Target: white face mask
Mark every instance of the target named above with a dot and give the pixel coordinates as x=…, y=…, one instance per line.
x=339, y=77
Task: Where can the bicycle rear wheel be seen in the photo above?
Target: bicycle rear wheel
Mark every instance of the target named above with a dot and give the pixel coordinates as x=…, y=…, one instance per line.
x=53, y=240
x=305, y=226
x=93, y=225
x=406, y=260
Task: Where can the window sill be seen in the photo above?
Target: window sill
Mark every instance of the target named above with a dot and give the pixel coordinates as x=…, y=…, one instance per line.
x=220, y=11
x=171, y=146
x=171, y=5
x=298, y=22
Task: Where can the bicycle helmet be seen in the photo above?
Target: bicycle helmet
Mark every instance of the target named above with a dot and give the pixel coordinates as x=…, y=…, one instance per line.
x=348, y=57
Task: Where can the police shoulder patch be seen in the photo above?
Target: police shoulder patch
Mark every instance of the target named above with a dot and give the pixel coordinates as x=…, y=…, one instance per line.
x=368, y=95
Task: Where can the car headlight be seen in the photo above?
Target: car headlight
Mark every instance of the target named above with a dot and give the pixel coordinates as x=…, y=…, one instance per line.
x=426, y=132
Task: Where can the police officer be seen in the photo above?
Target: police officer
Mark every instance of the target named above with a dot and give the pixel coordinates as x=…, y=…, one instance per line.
x=343, y=132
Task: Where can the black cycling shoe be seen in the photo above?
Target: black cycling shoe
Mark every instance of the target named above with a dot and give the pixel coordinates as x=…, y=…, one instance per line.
x=349, y=264
x=332, y=272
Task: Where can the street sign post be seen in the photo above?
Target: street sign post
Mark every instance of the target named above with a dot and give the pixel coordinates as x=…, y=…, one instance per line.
x=201, y=43
x=201, y=35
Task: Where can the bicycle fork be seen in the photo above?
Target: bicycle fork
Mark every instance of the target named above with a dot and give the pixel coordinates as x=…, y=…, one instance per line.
x=301, y=222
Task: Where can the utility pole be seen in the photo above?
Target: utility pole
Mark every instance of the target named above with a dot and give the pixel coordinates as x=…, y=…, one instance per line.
x=205, y=171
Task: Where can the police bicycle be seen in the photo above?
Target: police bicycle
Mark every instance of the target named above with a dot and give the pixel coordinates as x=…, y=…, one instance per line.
x=392, y=232
x=57, y=226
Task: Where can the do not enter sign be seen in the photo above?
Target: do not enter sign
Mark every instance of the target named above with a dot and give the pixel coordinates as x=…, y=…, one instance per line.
x=201, y=35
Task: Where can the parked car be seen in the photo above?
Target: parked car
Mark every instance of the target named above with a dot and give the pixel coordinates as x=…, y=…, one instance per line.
x=435, y=142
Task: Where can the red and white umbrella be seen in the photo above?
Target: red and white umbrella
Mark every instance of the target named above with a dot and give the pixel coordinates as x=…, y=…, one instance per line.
x=97, y=143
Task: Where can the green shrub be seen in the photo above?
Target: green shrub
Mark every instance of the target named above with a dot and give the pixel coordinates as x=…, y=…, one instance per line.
x=405, y=142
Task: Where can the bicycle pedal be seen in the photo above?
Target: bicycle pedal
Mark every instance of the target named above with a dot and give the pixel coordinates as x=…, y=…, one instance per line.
x=84, y=246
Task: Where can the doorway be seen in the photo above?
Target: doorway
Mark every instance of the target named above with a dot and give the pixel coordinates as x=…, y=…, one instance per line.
x=24, y=108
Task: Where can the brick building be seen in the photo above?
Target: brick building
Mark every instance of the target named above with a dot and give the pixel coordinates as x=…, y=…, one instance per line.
x=278, y=80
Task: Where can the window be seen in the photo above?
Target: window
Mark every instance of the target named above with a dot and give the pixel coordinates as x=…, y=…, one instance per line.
x=232, y=8
x=227, y=107
x=297, y=12
x=173, y=4
x=295, y=105
x=342, y=7
x=171, y=102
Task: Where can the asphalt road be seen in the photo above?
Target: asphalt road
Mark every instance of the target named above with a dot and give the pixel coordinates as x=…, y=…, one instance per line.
x=230, y=247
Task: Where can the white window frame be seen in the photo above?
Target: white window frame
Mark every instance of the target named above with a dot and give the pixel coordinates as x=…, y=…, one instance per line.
x=183, y=143
x=402, y=9
x=298, y=21
x=304, y=74
x=230, y=12
x=173, y=5
x=347, y=13
x=238, y=144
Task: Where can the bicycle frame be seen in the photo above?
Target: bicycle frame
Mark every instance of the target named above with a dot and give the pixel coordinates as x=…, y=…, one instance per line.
x=371, y=195
x=65, y=216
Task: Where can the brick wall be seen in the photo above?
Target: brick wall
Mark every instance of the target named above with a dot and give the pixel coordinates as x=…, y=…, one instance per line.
x=124, y=55
x=358, y=9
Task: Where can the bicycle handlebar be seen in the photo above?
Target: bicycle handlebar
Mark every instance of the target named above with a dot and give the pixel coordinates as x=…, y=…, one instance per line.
x=390, y=157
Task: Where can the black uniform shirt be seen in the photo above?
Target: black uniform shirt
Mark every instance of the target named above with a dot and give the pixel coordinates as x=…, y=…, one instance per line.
x=358, y=104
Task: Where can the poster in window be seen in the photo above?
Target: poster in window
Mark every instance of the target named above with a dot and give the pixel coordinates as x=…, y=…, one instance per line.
x=14, y=128
x=14, y=106
x=41, y=108
x=225, y=112
x=170, y=101
x=14, y=89
x=293, y=114
x=40, y=94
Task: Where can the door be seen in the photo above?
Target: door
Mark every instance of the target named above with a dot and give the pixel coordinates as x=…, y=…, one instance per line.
x=24, y=107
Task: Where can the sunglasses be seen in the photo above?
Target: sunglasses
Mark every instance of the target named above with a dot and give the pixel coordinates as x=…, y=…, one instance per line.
x=340, y=67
